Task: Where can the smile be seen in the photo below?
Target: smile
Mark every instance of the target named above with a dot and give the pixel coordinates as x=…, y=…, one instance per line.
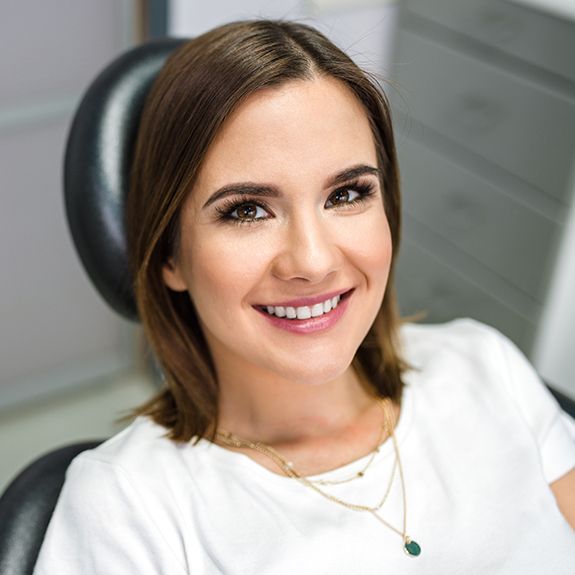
x=308, y=315
x=304, y=311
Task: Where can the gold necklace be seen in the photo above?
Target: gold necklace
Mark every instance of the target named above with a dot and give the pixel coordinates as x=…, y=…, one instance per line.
x=363, y=471
x=234, y=441
x=411, y=547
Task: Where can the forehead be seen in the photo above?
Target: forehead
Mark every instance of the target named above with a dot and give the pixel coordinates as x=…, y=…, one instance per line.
x=301, y=129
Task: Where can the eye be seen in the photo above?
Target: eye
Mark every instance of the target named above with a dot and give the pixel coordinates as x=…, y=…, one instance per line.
x=243, y=212
x=350, y=195
x=248, y=212
x=345, y=196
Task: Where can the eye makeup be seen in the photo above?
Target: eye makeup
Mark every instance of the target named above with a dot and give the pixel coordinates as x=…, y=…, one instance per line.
x=351, y=194
x=245, y=210
x=242, y=211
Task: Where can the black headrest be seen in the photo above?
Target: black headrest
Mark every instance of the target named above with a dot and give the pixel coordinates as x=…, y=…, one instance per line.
x=97, y=166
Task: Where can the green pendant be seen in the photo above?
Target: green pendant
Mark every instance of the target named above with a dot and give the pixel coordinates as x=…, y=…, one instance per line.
x=412, y=548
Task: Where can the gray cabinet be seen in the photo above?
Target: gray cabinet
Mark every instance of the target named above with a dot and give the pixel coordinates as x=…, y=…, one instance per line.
x=484, y=110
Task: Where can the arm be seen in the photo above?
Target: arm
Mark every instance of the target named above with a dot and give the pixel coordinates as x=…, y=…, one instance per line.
x=102, y=525
x=552, y=429
x=564, y=491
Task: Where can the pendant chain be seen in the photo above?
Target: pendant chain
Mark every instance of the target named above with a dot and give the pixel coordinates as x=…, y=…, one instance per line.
x=410, y=546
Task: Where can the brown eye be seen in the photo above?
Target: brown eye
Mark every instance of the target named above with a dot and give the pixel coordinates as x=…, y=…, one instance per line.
x=248, y=213
x=342, y=197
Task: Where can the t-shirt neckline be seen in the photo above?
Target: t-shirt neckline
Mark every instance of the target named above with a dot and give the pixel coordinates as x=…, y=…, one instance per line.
x=234, y=459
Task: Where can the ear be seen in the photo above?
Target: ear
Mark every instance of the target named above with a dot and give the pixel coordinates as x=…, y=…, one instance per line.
x=172, y=276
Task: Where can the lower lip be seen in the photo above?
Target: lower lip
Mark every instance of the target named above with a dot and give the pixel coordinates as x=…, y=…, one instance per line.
x=311, y=325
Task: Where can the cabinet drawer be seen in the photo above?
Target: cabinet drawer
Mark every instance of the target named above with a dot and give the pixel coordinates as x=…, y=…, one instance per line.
x=502, y=233
x=533, y=36
x=426, y=283
x=525, y=129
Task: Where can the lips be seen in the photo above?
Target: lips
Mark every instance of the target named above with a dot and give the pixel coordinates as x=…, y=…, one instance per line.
x=307, y=308
x=304, y=311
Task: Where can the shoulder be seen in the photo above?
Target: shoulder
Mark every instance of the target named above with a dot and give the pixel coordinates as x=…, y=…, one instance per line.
x=469, y=354
x=472, y=367
x=116, y=505
x=461, y=344
x=459, y=364
x=140, y=446
x=469, y=351
x=139, y=464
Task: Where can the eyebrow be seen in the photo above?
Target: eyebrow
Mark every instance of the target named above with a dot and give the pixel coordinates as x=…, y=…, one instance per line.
x=243, y=189
x=264, y=190
x=354, y=172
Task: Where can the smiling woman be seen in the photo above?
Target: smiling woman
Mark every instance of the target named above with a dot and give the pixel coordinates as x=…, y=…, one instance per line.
x=314, y=231
x=289, y=192
x=302, y=429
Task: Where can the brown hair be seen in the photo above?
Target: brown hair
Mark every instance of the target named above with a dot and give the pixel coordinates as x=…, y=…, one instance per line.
x=202, y=83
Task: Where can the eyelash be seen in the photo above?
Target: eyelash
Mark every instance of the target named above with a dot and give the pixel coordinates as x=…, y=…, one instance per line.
x=364, y=190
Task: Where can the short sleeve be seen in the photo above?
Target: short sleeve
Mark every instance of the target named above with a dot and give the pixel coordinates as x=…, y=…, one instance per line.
x=101, y=526
x=551, y=427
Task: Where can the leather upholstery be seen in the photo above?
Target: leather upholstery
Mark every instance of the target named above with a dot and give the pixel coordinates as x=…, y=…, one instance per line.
x=27, y=505
x=96, y=168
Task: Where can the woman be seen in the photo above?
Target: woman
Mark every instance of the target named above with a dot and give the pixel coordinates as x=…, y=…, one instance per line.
x=302, y=430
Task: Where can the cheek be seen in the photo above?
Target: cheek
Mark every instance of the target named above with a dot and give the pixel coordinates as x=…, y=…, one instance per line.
x=372, y=245
x=380, y=255
x=221, y=274
x=384, y=243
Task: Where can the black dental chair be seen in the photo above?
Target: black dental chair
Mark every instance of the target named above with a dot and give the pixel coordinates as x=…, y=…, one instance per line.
x=96, y=176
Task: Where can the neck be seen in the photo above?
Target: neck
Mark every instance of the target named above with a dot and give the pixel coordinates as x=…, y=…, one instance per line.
x=276, y=411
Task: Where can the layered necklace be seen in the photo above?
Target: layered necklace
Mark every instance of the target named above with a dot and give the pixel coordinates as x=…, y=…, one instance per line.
x=411, y=547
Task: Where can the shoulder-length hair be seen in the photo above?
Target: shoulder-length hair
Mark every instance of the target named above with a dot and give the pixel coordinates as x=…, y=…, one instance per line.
x=201, y=84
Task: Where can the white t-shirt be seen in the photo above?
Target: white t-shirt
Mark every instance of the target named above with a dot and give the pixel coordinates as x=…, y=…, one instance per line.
x=480, y=440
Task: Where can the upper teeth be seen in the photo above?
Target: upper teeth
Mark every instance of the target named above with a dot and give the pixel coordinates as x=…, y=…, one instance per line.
x=304, y=311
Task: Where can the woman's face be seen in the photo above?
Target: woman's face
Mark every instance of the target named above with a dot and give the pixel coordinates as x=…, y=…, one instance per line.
x=285, y=247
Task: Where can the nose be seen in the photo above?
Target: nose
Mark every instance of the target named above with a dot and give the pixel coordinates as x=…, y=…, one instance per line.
x=308, y=251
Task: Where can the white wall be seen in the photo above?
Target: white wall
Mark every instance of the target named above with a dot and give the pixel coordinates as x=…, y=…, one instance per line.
x=192, y=17
x=561, y=8
x=363, y=28
x=55, y=331
x=554, y=354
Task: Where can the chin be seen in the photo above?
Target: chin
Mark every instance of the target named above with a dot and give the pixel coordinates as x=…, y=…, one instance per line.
x=305, y=373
